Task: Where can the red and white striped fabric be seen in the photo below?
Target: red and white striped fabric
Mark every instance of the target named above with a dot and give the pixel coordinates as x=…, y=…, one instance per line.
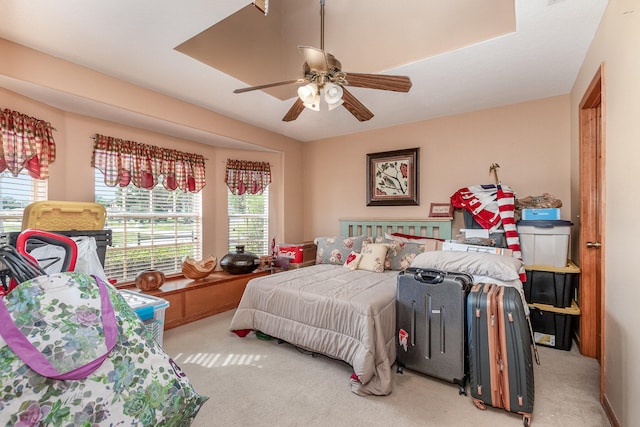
x=492, y=206
x=506, y=206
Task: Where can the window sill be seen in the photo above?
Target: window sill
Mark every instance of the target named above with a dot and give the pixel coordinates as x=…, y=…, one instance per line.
x=191, y=300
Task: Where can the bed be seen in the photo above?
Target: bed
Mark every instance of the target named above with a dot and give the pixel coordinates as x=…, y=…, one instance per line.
x=332, y=310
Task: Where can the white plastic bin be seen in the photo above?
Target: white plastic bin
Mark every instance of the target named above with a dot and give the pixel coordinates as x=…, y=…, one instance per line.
x=149, y=309
x=544, y=243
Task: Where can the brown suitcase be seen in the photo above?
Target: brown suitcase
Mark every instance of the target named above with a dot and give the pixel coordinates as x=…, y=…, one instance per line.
x=500, y=350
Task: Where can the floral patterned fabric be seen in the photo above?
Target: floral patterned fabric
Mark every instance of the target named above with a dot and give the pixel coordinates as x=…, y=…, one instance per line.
x=400, y=254
x=137, y=385
x=335, y=250
x=373, y=257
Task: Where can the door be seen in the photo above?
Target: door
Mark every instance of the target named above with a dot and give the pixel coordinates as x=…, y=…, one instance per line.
x=591, y=244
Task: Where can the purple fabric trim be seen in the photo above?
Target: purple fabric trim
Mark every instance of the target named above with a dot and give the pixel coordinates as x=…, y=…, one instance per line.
x=36, y=360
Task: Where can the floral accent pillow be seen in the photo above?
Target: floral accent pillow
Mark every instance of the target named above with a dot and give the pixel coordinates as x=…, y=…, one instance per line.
x=373, y=257
x=335, y=250
x=352, y=261
x=401, y=254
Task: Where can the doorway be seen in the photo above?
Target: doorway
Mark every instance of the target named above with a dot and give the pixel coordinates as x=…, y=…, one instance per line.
x=592, y=212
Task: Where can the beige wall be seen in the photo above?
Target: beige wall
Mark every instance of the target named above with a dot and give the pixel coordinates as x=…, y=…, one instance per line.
x=616, y=44
x=72, y=177
x=74, y=146
x=530, y=142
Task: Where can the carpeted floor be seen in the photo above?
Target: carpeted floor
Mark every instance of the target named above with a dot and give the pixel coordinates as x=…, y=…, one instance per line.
x=253, y=382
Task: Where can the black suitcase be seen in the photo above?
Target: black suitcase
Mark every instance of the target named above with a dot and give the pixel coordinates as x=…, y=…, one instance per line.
x=431, y=324
x=500, y=350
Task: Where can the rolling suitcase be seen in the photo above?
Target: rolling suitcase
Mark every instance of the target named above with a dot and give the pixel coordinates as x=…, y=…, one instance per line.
x=431, y=324
x=500, y=350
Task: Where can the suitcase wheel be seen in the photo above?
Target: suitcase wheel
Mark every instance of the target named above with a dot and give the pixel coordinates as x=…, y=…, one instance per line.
x=526, y=420
x=462, y=390
x=479, y=404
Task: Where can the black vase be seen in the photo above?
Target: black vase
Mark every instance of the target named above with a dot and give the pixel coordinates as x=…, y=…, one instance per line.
x=239, y=262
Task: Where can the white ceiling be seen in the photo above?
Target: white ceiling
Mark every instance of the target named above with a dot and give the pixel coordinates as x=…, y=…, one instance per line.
x=540, y=59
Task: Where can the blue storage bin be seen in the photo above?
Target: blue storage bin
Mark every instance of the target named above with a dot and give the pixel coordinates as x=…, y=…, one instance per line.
x=149, y=309
x=552, y=214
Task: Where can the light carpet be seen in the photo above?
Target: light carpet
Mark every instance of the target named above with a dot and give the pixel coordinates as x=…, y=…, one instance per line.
x=253, y=382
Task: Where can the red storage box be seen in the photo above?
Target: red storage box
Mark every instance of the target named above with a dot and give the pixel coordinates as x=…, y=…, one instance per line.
x=294, y=252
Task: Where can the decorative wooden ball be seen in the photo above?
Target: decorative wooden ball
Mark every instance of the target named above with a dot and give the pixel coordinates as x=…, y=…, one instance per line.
x=149, y=280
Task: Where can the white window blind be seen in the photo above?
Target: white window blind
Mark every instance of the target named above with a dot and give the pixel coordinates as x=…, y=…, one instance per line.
x=249, y=221
x=151, y=229
x=16, y=192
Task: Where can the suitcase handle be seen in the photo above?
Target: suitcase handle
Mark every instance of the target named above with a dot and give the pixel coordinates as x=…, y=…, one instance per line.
x=430, y=276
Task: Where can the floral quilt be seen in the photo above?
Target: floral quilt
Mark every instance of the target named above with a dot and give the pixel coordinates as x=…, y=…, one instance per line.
x=137, y=385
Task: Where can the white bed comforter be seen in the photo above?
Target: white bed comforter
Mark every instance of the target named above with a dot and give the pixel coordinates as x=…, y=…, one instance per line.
x=348, y=315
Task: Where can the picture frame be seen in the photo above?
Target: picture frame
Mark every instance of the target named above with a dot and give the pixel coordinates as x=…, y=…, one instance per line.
x=441, y=210
x=392, y=178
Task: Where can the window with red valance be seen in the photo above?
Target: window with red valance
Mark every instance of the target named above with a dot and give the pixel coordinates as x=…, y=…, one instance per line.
x=27, y=143
x=124, y=162
x=247, y=177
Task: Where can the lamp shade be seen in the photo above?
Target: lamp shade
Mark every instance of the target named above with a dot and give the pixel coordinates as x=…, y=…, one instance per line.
x=333, y=95
x=308, y=94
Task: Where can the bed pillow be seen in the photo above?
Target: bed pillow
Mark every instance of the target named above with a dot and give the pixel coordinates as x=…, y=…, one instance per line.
x=401, y=254
x=430, y=243
x=373, y=257
x=352, y=261
x=476, y=263
x=335, y=250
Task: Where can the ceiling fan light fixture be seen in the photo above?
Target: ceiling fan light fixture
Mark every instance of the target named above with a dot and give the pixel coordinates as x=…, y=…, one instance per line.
x=324, y=77
x=335, y=105
x=310, y=96
x=333, y=95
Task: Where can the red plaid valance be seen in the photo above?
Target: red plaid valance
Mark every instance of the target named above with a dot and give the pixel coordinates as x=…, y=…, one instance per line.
x=27, y=143
x=123, y=162
x=243, y=176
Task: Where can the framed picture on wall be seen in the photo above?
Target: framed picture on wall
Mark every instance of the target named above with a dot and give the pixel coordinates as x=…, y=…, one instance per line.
x=392, y=178
x=441, y=210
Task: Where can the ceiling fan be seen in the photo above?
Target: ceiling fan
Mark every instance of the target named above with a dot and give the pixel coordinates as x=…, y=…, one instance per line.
x=322, y=72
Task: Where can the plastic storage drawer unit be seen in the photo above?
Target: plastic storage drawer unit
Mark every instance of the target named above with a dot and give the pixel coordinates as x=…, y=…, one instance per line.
x=552, y=326
x=149, y=309
x=551, y=285
x=544, y=243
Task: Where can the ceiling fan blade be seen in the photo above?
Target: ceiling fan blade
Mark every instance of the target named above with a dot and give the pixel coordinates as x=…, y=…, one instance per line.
x=268, y=85
x=379, y=81
x=294, y=111
x=315, y=58
x=355, y=107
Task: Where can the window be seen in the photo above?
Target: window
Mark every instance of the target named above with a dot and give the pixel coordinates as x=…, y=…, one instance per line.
x=16, y=192
x=249, y=221
x=151, y=229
